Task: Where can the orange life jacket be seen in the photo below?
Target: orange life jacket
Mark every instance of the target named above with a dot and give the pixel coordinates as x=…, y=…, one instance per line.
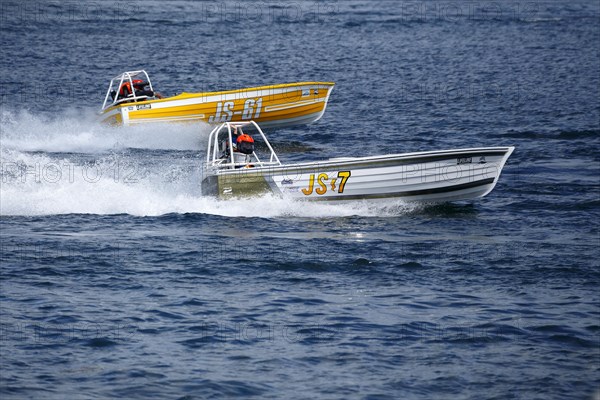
x=127, y=85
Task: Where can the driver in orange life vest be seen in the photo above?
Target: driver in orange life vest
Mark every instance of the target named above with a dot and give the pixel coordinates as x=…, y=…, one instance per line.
x=139, y=88
x=241, y=143
x=245, y=143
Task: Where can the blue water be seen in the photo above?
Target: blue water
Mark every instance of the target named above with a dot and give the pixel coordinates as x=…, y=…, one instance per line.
x=119, y=280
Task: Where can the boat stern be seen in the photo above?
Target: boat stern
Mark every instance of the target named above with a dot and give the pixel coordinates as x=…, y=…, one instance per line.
x=239, y=184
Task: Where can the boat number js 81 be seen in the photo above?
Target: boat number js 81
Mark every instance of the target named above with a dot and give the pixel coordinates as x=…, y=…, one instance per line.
x=225, y=111
x=324, y=183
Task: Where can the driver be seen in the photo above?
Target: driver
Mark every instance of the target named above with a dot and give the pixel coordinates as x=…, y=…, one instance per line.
x=141, y=90
x=139, y=86
x=225, y=143
x=245, y=143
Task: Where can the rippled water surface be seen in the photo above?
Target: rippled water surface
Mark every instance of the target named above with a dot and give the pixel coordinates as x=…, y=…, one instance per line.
x=119, y=280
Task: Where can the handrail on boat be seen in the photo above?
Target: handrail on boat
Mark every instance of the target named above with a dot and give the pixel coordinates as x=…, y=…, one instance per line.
x=125, y=77
x=215, y=161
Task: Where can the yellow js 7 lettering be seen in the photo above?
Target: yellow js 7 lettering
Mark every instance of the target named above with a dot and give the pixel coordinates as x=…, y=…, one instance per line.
x=322, y=180
x=323, y=186
x=311, y=184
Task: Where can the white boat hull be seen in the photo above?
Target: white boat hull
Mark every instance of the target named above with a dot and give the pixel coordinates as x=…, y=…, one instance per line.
x=431, y=177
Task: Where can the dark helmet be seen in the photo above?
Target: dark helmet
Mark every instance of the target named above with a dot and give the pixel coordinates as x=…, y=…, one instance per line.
x=245, y=144
x=138, y=83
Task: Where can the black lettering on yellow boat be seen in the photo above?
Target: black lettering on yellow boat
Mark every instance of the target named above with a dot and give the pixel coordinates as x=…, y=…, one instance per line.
x=343, y=175
x=144, y=106
x=311, y=185
x=323, y=186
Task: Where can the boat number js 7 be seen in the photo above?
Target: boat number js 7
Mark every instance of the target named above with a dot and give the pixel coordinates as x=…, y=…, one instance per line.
x=225, y=111
x=324, y=183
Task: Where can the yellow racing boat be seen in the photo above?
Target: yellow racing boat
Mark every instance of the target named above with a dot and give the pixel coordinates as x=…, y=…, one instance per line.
x=131, y=99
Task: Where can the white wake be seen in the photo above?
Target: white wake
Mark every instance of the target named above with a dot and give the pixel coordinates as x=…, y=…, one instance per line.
x=76, y=165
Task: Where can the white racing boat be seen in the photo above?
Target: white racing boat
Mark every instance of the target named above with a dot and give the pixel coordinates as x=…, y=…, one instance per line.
x=239, y=166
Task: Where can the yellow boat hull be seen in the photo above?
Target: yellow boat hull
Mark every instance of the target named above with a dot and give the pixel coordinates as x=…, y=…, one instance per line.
x=271, y=106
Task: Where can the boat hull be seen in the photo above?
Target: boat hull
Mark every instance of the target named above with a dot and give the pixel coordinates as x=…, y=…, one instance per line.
x=272, y=106
x=430, y=177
